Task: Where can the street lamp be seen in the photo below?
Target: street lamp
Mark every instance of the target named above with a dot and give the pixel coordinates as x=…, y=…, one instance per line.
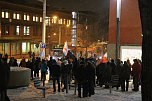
x=118, y=12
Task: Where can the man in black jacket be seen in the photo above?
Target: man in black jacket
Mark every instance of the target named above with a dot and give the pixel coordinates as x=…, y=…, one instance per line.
x=4, y=79
x=56, y=74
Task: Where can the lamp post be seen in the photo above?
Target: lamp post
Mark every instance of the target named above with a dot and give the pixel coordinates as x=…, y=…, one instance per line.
x=43, y=44
x=118, y=12
x=44, y=25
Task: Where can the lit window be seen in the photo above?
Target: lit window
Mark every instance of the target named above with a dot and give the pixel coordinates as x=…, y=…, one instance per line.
x=69, y=22
x=26, y=30
x=60, y=21
x=33, y=18
x=64, y=21
x=17, y=30
x=24, y=16
x=6, y=15
x=3, y=14
x=74, y=15
x=36, y=18
x=40, y=19
x=14, y=16
x=18, y=16
x=28, y=18
x=25, y=47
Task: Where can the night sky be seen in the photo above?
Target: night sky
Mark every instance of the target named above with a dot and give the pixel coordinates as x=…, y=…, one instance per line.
x=98, y=6
x=79, y=5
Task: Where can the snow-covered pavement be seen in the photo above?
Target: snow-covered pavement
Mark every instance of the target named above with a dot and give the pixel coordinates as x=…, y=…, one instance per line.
x=30, y=93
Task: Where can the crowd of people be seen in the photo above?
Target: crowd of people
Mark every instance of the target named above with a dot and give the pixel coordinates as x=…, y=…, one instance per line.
x=87, y=73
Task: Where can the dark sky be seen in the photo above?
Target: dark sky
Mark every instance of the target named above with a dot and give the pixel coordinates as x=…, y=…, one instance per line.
x=80, y=5
x=98, y=6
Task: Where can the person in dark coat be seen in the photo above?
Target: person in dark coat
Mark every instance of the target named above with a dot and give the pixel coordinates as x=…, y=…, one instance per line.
x=102, y=73
x=136, y=73
x=43, y=68
x=29, y=65
x=4, y=79
x=65, y=74
x=56, y=74
x=22, y=63
x=79, y=76
x=89, y=75
x=49, y=64
x=119, y=65
x=37, y=67
x=125, y=76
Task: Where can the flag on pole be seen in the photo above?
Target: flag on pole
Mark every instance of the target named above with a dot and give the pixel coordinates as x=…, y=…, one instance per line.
x=65, y=48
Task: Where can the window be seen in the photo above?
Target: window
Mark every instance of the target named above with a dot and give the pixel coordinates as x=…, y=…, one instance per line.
x=26, y=30
x=60, y=21
x=64, y=21
x=36, y=19
x=54, y=20
x=5, y=30
x=17, y=30
x=5, y=14
x=25, y=47
x=40, y=19
x=16, y=16
x=26, y=17
x=68, y=22
x=33, y=18
x=47, y=21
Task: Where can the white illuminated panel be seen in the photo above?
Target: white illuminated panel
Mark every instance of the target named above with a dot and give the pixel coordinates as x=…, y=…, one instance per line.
x=131, y=52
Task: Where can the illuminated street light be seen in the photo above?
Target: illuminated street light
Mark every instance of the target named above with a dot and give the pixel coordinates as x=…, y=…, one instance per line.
x=118, y=13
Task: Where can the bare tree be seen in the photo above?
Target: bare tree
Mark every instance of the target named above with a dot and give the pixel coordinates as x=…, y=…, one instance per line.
x=146, y=20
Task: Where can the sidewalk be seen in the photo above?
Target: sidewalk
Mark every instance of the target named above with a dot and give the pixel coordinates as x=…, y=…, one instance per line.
x=30, y=93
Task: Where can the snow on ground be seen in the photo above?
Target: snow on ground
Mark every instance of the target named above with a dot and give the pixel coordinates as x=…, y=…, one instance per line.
x=30, y=93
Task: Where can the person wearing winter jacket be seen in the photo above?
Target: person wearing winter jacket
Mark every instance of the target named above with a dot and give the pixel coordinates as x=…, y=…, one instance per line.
x=136, y=73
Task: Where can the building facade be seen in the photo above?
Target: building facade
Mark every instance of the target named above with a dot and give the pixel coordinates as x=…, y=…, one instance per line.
x=21, y=29
x=130, y=30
